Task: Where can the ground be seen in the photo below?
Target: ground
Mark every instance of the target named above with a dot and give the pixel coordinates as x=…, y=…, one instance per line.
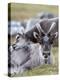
x=45, y=69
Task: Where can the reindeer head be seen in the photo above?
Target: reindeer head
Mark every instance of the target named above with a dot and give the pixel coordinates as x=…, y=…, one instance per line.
x=45, y=39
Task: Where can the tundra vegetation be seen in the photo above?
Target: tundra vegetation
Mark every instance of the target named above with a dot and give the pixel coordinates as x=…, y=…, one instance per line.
x=20, y=12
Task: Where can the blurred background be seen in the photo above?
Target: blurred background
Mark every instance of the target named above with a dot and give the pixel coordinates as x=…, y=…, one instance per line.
x=21, y=15
x=25, y=11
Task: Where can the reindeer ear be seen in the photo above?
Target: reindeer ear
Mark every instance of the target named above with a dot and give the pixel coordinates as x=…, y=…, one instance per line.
x=35, y=34
x=56, y=34
x=18, y=36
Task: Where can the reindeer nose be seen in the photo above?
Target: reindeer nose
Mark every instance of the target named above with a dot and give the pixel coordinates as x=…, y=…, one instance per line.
x=49, y=54
x=45, y=56
x=43, y=53
x=46, y=46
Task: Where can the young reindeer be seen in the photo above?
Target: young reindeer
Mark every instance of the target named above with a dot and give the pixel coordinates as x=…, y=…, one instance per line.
x=24, y=55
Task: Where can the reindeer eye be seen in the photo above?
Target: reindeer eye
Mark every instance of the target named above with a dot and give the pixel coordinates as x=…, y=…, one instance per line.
x=42, y=34
x=49, y=34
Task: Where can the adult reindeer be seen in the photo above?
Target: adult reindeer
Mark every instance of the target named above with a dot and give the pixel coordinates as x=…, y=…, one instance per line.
x=44, y=33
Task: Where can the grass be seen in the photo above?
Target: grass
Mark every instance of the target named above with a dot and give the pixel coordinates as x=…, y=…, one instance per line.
x=25, y=11
x=45, y=69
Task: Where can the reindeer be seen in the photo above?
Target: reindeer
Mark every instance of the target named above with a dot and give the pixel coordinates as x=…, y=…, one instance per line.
x=34, y=47
x=44, y=33
x=24, y=55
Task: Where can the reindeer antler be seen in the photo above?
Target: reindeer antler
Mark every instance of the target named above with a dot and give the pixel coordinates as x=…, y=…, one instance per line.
x=52, y=27
x=39, y=28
